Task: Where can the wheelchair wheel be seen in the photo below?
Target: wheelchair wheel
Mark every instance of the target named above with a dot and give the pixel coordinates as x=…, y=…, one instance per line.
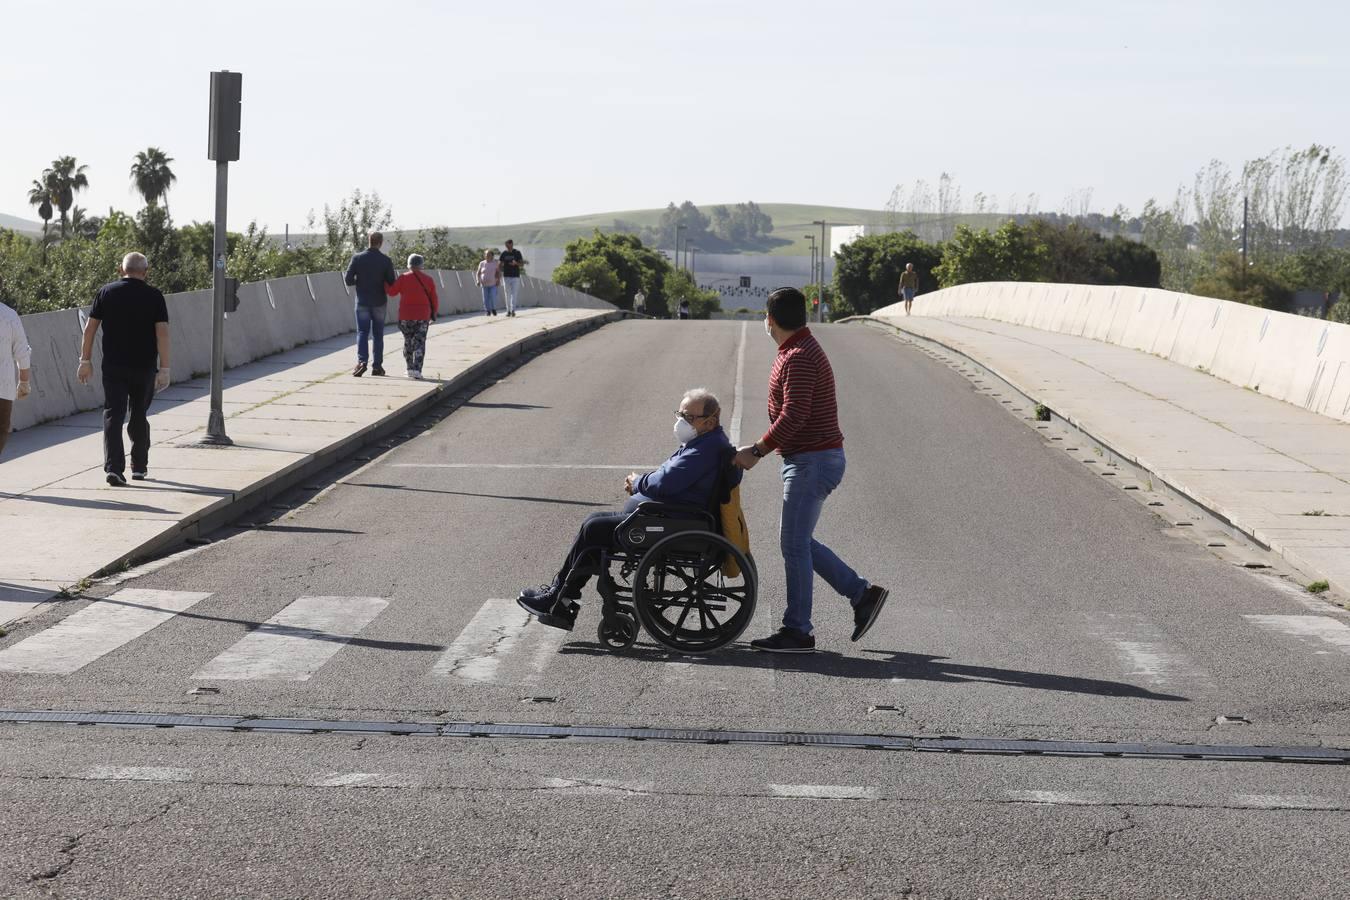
x=684, y=600
x=617, y=632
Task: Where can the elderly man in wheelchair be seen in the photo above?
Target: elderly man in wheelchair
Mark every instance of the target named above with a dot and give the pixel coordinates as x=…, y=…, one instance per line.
x=675, y=558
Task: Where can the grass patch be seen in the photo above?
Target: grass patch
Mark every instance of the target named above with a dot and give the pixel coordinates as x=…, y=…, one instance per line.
x=1319, y=586
x=1042, y=413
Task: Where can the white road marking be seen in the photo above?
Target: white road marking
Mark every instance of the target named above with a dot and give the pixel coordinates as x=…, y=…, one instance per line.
x=1285, y=801
x=738, y=397
x=823, y=791
x=492, y=634
x=599, y=786
x=137, y=773
x=637, y=467
x=1149, y=659
x=1144, y=650
x=1333, y=631
x=98, y=629
x=293, y=644
x=1065, y=798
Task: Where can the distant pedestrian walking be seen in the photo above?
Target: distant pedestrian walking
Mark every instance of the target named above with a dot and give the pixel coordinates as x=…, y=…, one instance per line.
x=909, y=285
x=370, y=272
x=15, y=359
x=135, y=322
x=804, y=428
x=684, y=309
x=487, y=277
x=511, y=261
x=417, y=309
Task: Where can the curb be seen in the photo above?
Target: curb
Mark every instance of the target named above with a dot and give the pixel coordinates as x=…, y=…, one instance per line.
x=1204, y=504
x=208, y=519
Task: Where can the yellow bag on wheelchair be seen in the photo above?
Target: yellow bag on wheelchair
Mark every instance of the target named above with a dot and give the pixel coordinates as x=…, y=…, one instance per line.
x=735, y=530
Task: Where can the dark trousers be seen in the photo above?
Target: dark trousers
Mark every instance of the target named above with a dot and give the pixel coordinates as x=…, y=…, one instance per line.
x=126, y=390
x=6, y=410
x=595, y=535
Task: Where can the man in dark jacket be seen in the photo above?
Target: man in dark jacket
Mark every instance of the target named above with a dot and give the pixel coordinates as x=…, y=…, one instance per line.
x=688, y=478
x=370, y=271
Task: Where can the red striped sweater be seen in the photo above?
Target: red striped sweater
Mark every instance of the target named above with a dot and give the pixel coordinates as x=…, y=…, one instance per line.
x=803, y=411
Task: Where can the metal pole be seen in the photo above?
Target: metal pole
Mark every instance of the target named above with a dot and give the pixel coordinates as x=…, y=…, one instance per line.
x=1244, y=238
x=215, y=424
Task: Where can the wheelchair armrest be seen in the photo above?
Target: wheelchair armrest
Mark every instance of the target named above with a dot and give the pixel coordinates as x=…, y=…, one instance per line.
x=658, y=508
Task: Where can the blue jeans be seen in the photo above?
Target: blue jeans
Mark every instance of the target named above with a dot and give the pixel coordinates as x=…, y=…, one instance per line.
x=489, y=298
x=808, y=478
x=370, y=326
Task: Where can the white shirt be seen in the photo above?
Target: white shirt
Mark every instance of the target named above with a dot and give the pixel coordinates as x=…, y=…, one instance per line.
x=15, y=354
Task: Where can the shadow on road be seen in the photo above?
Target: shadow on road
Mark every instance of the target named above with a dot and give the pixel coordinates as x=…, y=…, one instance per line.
x=289, y=630
x=400, y=487
x=474, y=405
x=889, y=665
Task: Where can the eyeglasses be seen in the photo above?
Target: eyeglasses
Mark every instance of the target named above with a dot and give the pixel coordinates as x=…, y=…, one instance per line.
x=689, y=417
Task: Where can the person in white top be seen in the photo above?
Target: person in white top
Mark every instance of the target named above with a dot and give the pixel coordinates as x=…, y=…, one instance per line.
x=487, y=277
x=15, y=359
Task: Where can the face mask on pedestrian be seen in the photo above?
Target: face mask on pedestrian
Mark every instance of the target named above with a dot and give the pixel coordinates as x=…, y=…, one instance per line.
x=684, y=431
x=767, y=329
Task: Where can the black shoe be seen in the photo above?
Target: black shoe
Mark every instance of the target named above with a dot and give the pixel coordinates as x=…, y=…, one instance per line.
x=866, y=612
x=116, y=479
x=544, y=604
x=138, y=474
x=378, y=370
x=359, y=370
x=786, y=640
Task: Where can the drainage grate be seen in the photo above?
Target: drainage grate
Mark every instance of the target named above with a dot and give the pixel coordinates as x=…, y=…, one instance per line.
x=943, y=744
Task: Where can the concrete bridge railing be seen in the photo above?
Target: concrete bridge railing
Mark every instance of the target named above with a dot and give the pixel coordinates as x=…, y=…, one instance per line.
x=273, y=316
x=1296, y=359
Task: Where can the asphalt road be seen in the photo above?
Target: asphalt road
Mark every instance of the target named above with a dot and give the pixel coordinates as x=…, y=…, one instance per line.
x=1029, y=599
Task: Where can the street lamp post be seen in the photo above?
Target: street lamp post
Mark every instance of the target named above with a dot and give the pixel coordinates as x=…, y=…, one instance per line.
x=824, y=248
x=678, y=230
x=811, y=279
x=693, y=262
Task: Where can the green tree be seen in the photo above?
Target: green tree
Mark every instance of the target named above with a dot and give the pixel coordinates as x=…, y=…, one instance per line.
x=867, y=270
x=151, y=175
x=638, y=267
x=66, y=178
x=592, y=275
x=1011, y=253
x=40, y=195
x=679, y=285
x=1078, y=255
x=1255, y=285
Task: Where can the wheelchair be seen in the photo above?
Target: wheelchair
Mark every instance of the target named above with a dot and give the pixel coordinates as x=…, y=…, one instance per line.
x=667, y=574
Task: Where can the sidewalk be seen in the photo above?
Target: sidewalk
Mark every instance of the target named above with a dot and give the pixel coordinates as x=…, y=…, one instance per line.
x=1262, y=464
x=289, y=415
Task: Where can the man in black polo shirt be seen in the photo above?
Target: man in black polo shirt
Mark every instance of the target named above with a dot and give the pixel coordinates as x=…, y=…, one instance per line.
x=511, y=261
x=135, y=322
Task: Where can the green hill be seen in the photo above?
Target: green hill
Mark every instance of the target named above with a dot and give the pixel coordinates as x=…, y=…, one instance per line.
x=791, y=223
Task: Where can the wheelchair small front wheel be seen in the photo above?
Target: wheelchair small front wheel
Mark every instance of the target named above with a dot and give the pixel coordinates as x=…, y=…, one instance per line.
x=617, y=631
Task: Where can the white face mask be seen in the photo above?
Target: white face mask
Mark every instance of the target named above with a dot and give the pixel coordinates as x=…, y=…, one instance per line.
x=767, y=329
x=684, y=431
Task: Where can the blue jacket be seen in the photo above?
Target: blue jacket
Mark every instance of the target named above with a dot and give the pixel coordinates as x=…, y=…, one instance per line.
x=689, y=477
x=369, y=271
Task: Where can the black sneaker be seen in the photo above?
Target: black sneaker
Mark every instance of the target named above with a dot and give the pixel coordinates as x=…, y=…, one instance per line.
x=378, y=370
x=786, y=640
x=116, y=479
x=543, y=603
x=359, y=370
x=867, y=610
x=138, y=474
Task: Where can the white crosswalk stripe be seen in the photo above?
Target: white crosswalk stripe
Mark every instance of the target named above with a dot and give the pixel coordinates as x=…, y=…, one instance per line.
x=497, y=630
x=1323, y=628
x=95, y=631
x=293, y=644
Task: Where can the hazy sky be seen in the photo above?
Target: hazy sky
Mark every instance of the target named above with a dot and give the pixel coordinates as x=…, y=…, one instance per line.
x=481, y=113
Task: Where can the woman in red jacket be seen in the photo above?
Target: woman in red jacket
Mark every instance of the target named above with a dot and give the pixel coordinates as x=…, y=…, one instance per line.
x=417, y=308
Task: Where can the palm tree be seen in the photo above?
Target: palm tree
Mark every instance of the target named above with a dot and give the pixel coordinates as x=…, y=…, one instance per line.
x=151, y=175
x=40, y=195
x=65, y=178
